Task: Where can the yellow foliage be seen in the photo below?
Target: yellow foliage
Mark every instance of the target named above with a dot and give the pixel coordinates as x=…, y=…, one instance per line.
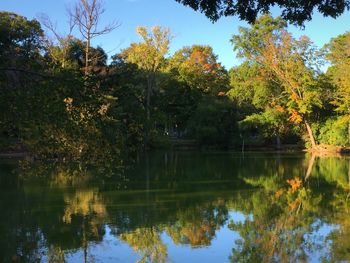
x=294, y=204
x=83, y=203
x=279, y=193
x=294, y=97
x=294, y=183
x=68, y=100
x=279, y=108
x=295, y=117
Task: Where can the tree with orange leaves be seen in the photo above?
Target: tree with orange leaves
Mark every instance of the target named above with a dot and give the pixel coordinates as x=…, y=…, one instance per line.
x=289, y=62
x=198, y=67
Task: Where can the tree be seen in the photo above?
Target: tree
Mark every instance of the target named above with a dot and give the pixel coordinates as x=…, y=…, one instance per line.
x=20, y=42
x=257, y=98
x=296, y=12
x=148, y=243
x=86, y=14
x=291, y=63
x=20, y=62
x=58, y=45
x=201, y=83
x=339, y=55
x=247, y=88
x=76, y=56
x=197, y=66
x=149, y=56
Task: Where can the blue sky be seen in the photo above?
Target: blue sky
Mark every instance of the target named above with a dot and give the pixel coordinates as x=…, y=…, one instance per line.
x=187, y=26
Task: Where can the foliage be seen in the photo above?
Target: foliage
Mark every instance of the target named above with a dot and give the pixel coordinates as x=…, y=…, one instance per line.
x=338, y=53
x=334, y=132
x=271, y=122
x=290, y=63
x=149, y=54
x=21, y=40
x=296, y=13
x=248, y=88
x=211, y=122
x=197, y=66
x=52, y=108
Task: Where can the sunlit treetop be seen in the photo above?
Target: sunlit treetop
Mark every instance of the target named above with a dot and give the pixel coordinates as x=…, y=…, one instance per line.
x=295, y=12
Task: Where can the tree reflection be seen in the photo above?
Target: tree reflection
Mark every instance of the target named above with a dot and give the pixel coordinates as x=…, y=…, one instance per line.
x=147, y=242
x=279, y=219
x=196, y=225
x=340, y=203
x=57, y=210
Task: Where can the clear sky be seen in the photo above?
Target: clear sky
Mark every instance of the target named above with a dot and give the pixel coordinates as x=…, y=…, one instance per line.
x=188, y=27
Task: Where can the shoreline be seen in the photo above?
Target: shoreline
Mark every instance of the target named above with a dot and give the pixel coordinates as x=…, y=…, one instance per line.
x=321, y=150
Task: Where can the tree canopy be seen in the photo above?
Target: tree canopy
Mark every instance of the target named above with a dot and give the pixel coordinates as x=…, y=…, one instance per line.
x=296, y=12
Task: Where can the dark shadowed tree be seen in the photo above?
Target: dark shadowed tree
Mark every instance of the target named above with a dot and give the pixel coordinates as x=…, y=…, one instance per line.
x=296, y=12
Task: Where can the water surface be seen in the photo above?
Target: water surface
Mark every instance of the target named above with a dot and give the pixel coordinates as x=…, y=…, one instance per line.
x=178, y=207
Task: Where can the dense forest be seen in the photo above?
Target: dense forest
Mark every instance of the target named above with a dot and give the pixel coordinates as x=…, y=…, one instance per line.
x=63, y=97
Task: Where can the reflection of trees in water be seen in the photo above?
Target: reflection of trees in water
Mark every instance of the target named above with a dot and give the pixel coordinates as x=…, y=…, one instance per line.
x=196, y=225
x=276, y=231
x=283, y=211
x=147, y=242
x=55, y=254
x=51, y=214
x=85, y=203
x=284, y=215
x=280, y=218
x=335, y=173
x=88, y=205
x=340, y=237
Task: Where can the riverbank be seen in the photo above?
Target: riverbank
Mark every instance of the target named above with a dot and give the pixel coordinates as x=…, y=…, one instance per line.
x=16, y=151
x=329, y=150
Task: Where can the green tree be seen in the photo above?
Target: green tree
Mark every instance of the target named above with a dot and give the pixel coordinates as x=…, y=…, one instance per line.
x=20, y=65
x=149, y=56
x=339, y=56
x=20, y=47
x=289, y=62
x=257, y=98
x=76, y=56
x=199, y=85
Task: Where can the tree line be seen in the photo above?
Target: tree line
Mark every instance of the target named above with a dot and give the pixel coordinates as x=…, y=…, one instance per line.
x=61, y=96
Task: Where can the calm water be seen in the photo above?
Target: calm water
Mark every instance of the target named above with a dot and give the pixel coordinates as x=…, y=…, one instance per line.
x=178, y=207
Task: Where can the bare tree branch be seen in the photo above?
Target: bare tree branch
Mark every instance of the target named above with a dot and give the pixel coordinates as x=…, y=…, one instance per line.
x=86, y=15
x=63, y=40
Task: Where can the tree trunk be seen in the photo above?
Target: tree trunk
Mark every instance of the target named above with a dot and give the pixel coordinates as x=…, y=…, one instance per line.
x=148, y=107
x=310, y=133
x=278, y=141
x=148, y=97
x=87, y=50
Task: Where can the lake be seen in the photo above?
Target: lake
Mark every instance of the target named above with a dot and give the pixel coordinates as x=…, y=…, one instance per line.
x=178, y=207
